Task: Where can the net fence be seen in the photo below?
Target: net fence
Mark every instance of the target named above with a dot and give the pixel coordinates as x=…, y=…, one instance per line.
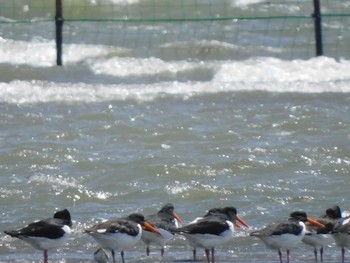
x=186, y=29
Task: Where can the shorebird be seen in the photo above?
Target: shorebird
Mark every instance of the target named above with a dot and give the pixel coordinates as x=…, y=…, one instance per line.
x=46, y=234
x=121, y=233
x=212, y=230
x=341, y=234
x=285, y=235
x=164, y=221
x=320, y=237
x=213, y=211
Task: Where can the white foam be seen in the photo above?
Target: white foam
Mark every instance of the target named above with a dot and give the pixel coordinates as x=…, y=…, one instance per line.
x=318, y=69
x=42, y=53
x=244, y=3
x=124, y=2
x=102, y=75
x=128, y=66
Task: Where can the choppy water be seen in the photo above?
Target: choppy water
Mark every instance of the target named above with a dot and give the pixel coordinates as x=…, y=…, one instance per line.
x=108, y=135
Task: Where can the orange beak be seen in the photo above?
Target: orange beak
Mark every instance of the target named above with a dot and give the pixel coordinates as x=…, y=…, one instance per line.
x=177, y=217
x=314, y=222
x=239, y=219
x=150, y=227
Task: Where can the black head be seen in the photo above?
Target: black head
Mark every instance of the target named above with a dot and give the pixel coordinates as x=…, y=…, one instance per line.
x=137, y=218
x=229, y=212
x=299, y=215
x=167, y=209
x=65, y=216
x=334, y=212
x=214, y=211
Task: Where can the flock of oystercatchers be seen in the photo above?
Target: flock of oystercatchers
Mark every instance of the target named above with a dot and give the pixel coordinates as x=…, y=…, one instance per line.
x=213, y=229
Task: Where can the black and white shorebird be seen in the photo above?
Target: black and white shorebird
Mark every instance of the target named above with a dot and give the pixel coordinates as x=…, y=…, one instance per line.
x=165, y=221
x=341, y=235
x=318, y=237
x=216, y=211
x=212, y=230
x=120, y=234
x=285, y=235
x=46, y=234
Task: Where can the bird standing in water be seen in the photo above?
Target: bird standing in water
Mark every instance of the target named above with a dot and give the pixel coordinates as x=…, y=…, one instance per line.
x=212, y=230
x=121, y=233
x=341, y=235
x=319, y=237
x=285, y=235
x=46, y=234
x=164, y=221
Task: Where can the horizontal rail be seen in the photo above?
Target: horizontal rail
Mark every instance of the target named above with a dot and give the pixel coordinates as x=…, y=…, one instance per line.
x=170, y=20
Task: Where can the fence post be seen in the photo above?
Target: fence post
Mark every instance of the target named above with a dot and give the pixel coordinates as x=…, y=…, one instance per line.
x=59, y=24
x=318, y=27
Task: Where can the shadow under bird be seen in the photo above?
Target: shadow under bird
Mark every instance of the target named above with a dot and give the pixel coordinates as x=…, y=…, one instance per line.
x=318, y=237
x=212, y=230
x=46, y=234
x=165, y=221
x=285, y=235
x=120, y=233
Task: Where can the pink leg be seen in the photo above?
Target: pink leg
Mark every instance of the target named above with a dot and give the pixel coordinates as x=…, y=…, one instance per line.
x=280, y=255
x=315, y=253
x=122, y=254
x=45, y=256
x=113, y=256
x=207, y=253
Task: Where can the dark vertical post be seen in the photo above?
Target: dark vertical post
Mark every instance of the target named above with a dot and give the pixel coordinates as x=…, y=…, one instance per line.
x=59, y=25
x=318, y=27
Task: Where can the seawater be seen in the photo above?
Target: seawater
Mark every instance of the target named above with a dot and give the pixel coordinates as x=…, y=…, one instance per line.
x=105, y=136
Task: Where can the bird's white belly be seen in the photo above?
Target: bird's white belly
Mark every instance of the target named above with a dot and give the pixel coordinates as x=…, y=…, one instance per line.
x=208, y=240
x=115, y=241
x=150, y=237
x=285, y=241
x=46, y=243
x=317, y=240
x=342, y=239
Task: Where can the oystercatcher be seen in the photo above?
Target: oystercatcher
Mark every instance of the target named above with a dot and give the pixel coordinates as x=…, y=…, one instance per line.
x=341, y=235
x=121, y=233
x=46, y=234
x=285, y=235
x=212, y=230
x=213, y=211
x=164, y=221
x=319, y=237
